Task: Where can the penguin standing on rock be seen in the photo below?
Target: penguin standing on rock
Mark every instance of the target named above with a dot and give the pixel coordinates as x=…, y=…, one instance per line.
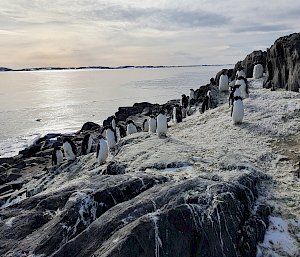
x=240, y=73
x=162, y=124
x=177, y=113
x=184, y=101
x=152, y=124
x=87, y=144
x=111, y=137
x=192, y=94
x=238, y=107
x=145, y=125
x=223, y=82
x=57, y=156
x=243, y=86
x=70, y=149
x=102, y=150
x=114, y=123
x=131, y=128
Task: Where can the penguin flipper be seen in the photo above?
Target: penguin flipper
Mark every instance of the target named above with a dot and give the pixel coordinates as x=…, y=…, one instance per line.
x=98, y=149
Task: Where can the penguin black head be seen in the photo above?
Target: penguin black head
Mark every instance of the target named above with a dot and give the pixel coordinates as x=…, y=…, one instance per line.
x=57, y=148
x=100, y=137
x=66, y=139
x=152, y=116
x=183, y=95
x=130, y=122
x=162, y=112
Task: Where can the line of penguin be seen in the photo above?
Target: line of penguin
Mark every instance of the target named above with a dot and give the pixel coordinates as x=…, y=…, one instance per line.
x=239, y=90
x=111, y=135
x=108, y=139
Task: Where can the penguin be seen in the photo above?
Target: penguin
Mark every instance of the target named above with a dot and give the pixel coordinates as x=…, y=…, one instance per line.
x=114, y=123
x=177, y=113
x=152, y=124
x=122, y=131
x=162, y=124
x=57, y=156
x=258, y=71
x=223, y=82
x=238, y=107
x=131, y=128
x=232, y=95
x=87, y=144
x=111, y=137
x=70, y=149
x=145, y=125
x=240, y=73
x=243, y=86
x=118, y=132
x=205, y=104
x=192, y=94
x=184, y=101
x=209, y=99
x=184, y=113
x=102, y=150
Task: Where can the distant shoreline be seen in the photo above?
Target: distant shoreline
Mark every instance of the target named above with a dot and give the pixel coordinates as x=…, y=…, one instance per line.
x=4, y=69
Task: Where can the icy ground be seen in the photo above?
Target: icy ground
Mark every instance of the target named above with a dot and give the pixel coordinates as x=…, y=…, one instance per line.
x=209, y=145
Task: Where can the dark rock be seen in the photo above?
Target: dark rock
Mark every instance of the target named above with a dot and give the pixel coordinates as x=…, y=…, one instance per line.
x=2, y=168
x=30, y=151
x=283, y=62
x=115, y=168
x=252, y=59
x=88, y=126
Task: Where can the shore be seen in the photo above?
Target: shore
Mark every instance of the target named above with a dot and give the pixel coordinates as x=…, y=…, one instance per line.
x=210, y=188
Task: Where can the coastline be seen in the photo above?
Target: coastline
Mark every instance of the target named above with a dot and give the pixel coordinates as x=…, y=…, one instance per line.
x=209, y=187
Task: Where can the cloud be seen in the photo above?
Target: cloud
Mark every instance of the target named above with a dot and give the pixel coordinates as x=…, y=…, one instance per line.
x=261, y=28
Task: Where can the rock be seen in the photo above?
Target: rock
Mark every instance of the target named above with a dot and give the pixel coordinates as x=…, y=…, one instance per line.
x=283, y=62
x=115, y=168
x=2, y=168
x=30, y=151
x=88, y=126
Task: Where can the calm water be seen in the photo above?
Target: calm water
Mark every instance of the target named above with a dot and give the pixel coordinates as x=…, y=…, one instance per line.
x=64, y=100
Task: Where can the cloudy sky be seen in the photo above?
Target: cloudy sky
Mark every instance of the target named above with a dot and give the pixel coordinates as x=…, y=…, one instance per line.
x=36, y=33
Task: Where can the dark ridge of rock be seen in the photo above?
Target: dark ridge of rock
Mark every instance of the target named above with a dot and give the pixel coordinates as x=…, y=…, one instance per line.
x=195, y=217
x=88, y=126
x=251, y=59
x=283, y=62
x=236, y=67
x=218, y=75
x=67, y=213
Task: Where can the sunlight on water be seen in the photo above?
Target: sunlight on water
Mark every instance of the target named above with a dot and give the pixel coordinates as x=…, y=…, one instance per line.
x=64, y=100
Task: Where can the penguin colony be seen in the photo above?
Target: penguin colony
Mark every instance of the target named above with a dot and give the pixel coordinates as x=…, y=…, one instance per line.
x=111, y=135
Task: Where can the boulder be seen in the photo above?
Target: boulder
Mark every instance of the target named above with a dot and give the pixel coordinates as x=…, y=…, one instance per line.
x=88, y=126
x=283, y=62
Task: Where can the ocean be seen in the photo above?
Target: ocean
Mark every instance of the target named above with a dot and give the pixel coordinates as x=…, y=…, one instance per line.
x=34, y=103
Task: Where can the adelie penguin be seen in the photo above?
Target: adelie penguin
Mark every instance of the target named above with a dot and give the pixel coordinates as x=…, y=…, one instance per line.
x=152, y=124
x=102, y=150
x=177, y=114
x=131, y=128
x=70, y=149
x=114, y=123
x=238, y=107
x=111, y=137
x=57, y=156
x=240, y=73
x=243, y=86
x=145, y=125
x=223, y=82
x=87, y=144
x=162, y=124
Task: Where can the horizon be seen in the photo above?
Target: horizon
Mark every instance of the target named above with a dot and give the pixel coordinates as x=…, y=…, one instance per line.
x=110, y=33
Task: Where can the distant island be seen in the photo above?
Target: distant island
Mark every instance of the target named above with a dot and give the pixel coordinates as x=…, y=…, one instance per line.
x=110, y=68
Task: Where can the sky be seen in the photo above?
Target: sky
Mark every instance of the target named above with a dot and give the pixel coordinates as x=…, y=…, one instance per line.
x=64, y=33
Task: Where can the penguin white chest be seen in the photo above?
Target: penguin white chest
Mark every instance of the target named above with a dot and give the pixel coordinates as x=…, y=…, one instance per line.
x=146, y=126
x=90, y=144
x=131, y=129
x=162, y=125
x=59, y=157
x=110, y=137
x=113, y=124
x=238, y=111
x=68, y=151
x=102, y=151
x=152, y=125
x=223, y=83
x=258, y=71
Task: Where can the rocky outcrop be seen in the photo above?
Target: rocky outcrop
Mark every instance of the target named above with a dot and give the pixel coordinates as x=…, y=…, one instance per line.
x=283, y=62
